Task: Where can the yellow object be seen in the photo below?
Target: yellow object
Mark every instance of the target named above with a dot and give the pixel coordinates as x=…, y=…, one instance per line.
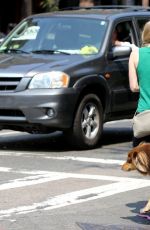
x=88, y=50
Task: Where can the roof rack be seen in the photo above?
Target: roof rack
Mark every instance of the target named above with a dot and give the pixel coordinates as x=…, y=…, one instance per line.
x=109, y=7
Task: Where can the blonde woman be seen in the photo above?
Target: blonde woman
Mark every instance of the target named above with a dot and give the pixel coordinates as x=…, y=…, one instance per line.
x=139, y=75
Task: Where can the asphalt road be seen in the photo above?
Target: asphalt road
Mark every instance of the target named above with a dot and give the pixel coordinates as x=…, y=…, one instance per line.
x=45, y=184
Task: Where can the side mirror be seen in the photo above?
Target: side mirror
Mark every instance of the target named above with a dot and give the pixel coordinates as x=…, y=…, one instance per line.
x=119, y=51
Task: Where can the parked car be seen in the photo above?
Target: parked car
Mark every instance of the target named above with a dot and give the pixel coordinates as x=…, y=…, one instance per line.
x=59, y=71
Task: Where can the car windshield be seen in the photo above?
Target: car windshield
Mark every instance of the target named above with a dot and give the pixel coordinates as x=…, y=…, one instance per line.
x=55, y=35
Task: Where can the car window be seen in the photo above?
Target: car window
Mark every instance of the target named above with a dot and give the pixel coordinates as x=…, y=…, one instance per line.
x=125, y=32
x=72, y=35
x=140, y=23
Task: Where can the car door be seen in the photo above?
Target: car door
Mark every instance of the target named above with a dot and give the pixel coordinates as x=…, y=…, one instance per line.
x=123, y=101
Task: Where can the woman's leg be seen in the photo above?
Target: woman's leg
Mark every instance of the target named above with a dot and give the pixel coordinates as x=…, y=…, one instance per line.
x=146, y=208
x=137, y=141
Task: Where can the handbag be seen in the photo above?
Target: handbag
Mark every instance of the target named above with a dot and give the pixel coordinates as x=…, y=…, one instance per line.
x=141, y=124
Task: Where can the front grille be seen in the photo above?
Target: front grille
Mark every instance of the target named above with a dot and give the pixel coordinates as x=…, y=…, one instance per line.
x=11, y=113
x=9, y=83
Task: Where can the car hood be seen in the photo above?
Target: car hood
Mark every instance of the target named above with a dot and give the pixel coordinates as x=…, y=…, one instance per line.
x=29, y=65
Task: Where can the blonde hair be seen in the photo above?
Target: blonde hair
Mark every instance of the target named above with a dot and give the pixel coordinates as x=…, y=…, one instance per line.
x=146, y=34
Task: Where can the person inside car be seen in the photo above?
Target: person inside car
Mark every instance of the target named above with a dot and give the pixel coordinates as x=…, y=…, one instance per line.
x=86, y=3
x=117, y=42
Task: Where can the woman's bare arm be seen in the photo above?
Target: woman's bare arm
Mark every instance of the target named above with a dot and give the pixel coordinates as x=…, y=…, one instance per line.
x=133, y=79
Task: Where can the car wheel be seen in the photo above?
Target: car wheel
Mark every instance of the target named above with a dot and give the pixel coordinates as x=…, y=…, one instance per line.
x=88, y=122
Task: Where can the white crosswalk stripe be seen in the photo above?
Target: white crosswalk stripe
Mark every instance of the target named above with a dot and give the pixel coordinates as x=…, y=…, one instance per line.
x=122, y=184
x=31, y=178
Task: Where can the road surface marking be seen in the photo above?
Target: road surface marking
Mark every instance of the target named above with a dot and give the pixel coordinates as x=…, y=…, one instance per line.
x=76, y=197
x=5, y=169
x=129, y=121
x=72, y=158
x=45, y=176
x=32, y=180
x=88, y=159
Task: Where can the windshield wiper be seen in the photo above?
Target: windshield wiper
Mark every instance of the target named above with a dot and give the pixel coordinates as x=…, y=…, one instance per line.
x=14, y=51
x=50, y=52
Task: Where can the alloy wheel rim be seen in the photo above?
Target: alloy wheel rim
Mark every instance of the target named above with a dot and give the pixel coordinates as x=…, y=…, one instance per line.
x=90, y=121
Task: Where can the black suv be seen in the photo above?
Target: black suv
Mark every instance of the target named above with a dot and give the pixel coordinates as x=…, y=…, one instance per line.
x=60, y=71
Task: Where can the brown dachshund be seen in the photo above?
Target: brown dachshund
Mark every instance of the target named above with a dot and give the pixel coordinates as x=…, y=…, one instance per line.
x=139, y=159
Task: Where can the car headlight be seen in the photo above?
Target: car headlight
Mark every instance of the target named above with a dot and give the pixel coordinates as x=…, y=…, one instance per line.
x=53, y=79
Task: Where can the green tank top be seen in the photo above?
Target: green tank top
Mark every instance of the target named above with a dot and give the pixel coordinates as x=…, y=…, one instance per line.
x=143, y=71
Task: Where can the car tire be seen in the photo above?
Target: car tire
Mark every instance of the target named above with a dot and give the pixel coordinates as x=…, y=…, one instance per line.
x=88, y=122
